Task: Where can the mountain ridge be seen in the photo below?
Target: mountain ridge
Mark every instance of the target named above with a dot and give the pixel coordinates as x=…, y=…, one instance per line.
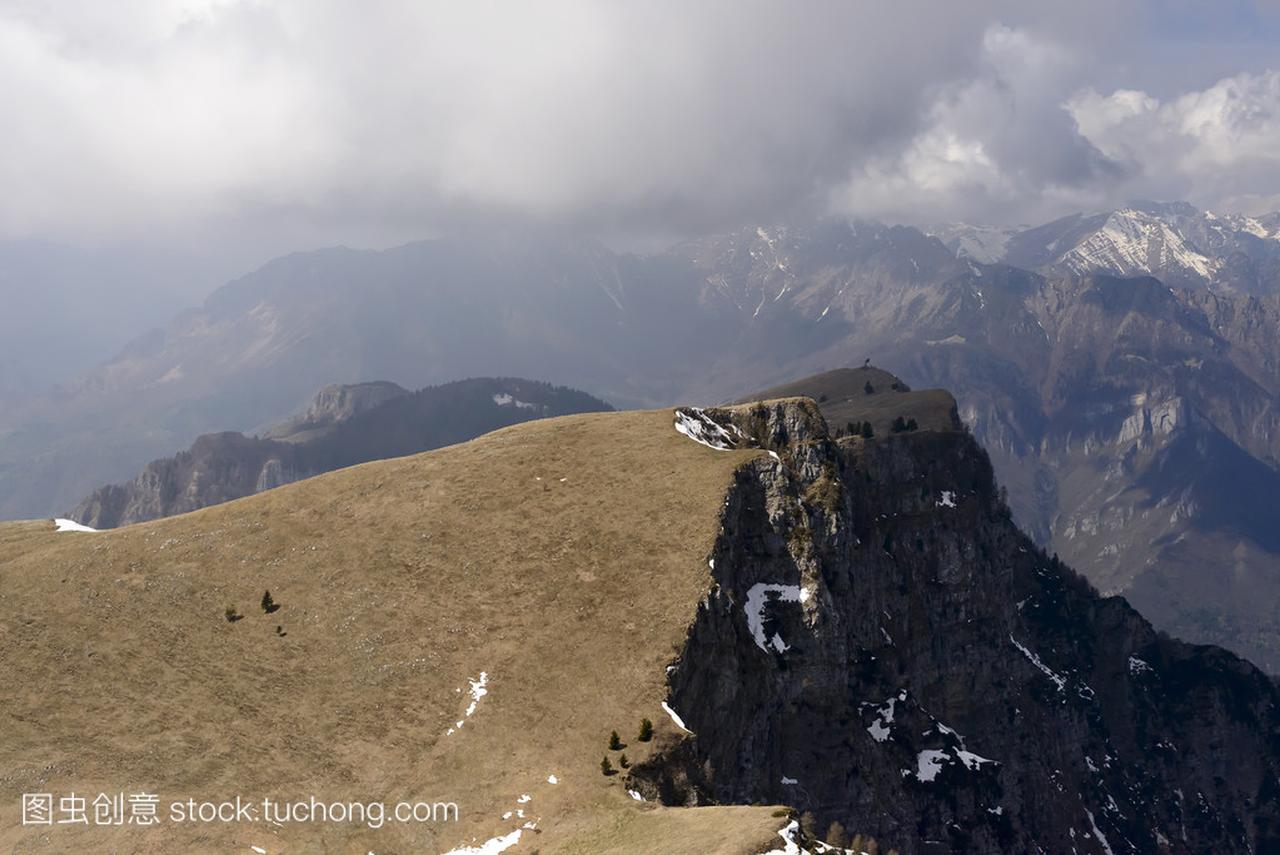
x=1046, y=367
x=1173, y=241
x=591, y=570
x=344, y=426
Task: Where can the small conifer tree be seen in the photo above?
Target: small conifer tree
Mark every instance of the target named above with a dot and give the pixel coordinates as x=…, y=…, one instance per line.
x=867, y=430
x=646, y=730
x=615, y=744
x=836, y=836
x=605, y=766
x=268, y=604
x=624, y=762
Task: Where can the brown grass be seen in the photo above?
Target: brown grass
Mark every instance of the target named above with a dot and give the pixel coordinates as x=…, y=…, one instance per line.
x=398, y=582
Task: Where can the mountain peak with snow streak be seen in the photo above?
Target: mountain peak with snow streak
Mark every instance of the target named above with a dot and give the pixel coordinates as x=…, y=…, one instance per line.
x=1173, y=241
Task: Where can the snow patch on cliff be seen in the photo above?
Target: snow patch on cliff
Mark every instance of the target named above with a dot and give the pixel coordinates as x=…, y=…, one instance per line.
x=1058, y=680
x=679, y=722
x=881, y=729
x=931, y=761
x=694, y=423
x=758, y=598
x=1137, y=666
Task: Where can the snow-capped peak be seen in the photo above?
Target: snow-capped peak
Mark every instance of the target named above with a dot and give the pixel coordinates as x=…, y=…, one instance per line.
x=1135, y=242
x=983, y=244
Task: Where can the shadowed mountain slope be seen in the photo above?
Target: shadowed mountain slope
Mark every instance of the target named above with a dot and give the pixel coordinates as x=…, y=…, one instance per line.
x=344, y=426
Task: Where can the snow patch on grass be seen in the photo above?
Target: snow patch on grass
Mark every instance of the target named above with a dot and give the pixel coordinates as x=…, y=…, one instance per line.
x=492, y=846
x=788, y=835
x=478, y=690
x=70, y=525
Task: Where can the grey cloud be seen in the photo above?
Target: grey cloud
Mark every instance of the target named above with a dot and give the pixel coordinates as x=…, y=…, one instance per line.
x=298, y=122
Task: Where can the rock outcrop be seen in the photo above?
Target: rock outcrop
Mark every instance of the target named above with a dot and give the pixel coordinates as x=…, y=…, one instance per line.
x=884, y=648
x=333, y=405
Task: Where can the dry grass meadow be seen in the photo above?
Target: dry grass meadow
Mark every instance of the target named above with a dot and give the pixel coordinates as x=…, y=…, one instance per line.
x=563, y=558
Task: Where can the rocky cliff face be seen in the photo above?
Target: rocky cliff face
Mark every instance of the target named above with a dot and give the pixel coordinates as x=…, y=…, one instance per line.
x=332, y=406
x=884, y=648
x=217, y=468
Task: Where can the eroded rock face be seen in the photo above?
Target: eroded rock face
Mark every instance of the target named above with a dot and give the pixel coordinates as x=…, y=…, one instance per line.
x=335, y=404
x=884, y=648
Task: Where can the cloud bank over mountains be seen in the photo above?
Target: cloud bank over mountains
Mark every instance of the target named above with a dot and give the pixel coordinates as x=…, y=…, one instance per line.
x=315, y=121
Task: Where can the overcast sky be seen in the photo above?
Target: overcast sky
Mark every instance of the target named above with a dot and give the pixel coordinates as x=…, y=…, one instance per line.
x=290, y=124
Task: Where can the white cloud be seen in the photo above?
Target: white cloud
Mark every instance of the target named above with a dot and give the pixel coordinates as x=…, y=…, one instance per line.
x=1219, y=147
x=1024, y=139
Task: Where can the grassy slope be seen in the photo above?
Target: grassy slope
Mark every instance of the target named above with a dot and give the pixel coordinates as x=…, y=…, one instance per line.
x=399, y=581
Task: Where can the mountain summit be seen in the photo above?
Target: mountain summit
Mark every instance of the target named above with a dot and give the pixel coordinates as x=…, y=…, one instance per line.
x=847, y=626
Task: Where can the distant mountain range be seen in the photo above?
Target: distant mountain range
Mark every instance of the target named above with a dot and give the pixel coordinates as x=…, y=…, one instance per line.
x=1174, y=242
x=1133, y=419
x=345, y=425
